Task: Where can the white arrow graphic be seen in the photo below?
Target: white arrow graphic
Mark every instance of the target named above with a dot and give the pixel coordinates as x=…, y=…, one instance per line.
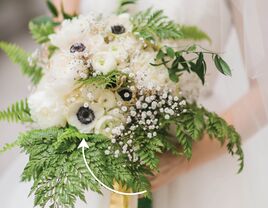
x=84, y=145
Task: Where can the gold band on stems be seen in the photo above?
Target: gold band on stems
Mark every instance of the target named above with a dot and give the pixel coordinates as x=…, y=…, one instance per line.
x=121, y=201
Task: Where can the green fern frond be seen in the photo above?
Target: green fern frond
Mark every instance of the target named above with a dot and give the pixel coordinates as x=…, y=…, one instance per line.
x=123, y=5
x=8, y=146
x=20, y=57
x=154, y=26
x=18, y=112
x=107, y=80
x=193, y=33
x=41, y=28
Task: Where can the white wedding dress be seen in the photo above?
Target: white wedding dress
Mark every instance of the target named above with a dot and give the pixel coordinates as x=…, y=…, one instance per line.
x=214, y=184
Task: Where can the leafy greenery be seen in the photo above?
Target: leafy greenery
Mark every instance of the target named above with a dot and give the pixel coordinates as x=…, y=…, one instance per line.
x=108, y=80
x=8, y=146
x=58, y=170
x=18, y=112
x=154, y=26
x=123, y=5
x=20, y=57
x=196, y=121
x=41, y=28
x=177, y=62
x=193, y=33
x=52, y=8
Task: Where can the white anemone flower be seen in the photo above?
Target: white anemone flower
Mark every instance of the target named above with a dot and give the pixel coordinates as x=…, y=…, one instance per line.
x=103, y=62
x=47, y=109
x=84, y=118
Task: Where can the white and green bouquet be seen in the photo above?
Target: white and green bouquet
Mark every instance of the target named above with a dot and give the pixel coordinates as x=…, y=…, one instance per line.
x=120, y=87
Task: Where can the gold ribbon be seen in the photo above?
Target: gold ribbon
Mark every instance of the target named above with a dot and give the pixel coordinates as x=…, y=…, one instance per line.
x=120, y=201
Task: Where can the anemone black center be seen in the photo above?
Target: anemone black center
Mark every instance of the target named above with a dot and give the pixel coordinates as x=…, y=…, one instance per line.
x=125, y=94
x=77, y=47
x=85, y=115
x=118, y=29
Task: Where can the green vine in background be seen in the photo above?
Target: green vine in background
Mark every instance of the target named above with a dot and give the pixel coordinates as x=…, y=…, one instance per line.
x=20, y=57
x=178, y=62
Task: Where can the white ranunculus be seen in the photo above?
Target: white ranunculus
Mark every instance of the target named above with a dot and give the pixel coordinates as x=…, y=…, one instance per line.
x=95, y=113
x=47, y=109
x=103, y=62
x=107, y=123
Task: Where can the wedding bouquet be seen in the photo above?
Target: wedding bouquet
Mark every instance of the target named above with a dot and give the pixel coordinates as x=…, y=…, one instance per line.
x=121, y=88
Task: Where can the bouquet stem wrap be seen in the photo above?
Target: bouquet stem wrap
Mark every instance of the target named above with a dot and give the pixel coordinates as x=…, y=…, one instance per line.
x=122, y=201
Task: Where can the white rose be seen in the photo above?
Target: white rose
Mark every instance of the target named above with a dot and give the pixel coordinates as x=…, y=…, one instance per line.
x=106, y=99
x=103, y=62
x=47, y=109
x=107, y=123
x=83, y=117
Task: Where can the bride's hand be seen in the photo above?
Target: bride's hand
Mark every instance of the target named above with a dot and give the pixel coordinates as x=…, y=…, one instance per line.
x=70, y=6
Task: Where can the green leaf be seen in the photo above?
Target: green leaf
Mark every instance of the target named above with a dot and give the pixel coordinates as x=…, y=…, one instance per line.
x=153, y=26
x=41, y=29
x=18, y=112
x=193, y=33
x=52, y=8
x=123, y=5
x=200, y=67
x=20, y=57
x=170, y=52
x=160, y=55
x=222, y=66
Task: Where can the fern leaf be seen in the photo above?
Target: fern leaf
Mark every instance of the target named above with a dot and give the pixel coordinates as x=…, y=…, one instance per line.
x=154, y=26
x=18, y=112
x=9, y=146
x=123, y=5
x=20, y=57
x=193, y=33
x=41, y=28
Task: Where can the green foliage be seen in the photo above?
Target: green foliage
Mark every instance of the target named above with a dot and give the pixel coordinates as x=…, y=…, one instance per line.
x=123, y=5
x=196, y=121
x=153, y=26
x=58, y=170
x=8, y=146
x=20, y=57
x=41, y=28
x=18, y=112
x=52, y=8
x=106, y=81
x=193, y=33
x=178, y=62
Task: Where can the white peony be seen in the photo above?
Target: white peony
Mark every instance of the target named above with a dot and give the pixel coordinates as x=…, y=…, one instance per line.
x=47, y=109
x=103, y=62
x=63, y=73
x=83, y=117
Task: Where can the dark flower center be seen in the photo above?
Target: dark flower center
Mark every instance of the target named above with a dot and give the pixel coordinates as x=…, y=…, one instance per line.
x=118, y=29
x=125, y=94
x=85, y=115
x=77, y=47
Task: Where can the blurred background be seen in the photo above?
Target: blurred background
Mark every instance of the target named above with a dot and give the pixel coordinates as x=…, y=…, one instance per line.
x=226, y=189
